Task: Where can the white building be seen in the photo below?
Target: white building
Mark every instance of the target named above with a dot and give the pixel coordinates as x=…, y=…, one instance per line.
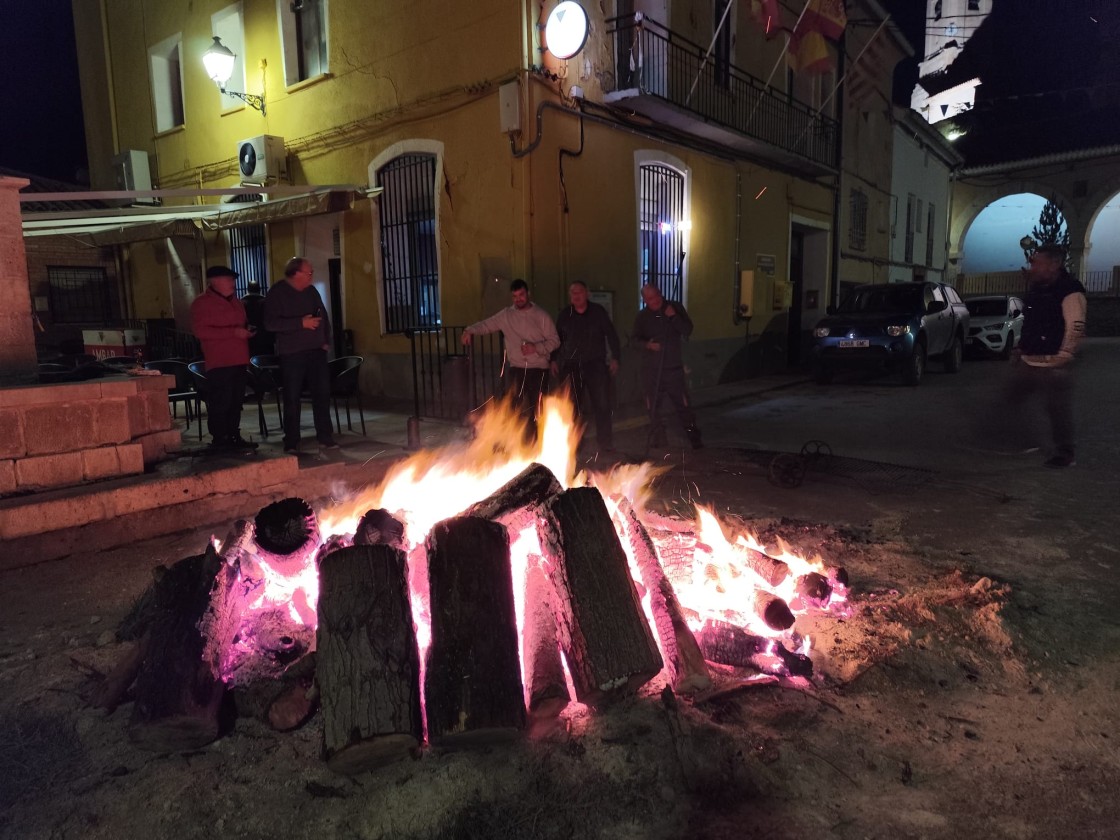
x=949, y=25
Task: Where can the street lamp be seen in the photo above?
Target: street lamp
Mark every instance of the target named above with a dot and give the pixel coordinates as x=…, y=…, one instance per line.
x=218, y=61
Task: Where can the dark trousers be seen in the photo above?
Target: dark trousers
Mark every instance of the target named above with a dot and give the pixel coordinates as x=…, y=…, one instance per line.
x=668, y=384
x=306, y=370
x=593, y=380
x=526, y=388
x=225, y=393
x=1055, y=387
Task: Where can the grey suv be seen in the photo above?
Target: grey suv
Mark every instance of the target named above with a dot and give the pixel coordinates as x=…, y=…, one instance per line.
x=894, y=326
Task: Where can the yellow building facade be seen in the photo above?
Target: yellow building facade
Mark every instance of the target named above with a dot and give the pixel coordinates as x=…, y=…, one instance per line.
x=469, y=154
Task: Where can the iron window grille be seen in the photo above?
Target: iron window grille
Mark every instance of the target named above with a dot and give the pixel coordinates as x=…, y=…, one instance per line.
x=81, y=294
x=661, y=222
x=248, y=255
x=857, y=228
x=911, y=219
x=929, y=234
x=409, y=263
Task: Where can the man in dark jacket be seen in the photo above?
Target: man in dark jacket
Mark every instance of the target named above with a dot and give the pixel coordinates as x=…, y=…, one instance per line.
x=294, y=313
x=218, y=321
x=659, y=331
x=581, y=362
x=261, y=342
x=1053, y=325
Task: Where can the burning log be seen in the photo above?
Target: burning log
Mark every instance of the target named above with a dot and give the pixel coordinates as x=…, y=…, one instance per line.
x=282, y=697
x=730, y=645
x=546, y=692
x=379, y=527
x=837, y=575
x=472, y=684
x=330, y=545
x=527, y=492
x=179, y=689
x=368, y=667
x=606, y=639
x=687, y=670
x=774, y=572
x=287, y=533
x=814, y=589
x=773, y=610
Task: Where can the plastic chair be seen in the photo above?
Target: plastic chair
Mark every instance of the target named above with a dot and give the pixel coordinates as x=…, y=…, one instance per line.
x=198, y=380
x=184, y=387
x=344, y=385
x=264, y=378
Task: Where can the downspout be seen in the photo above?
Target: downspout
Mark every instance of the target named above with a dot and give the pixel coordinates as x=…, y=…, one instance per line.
x=565, y=229
x=837, y=196
x=736, y=302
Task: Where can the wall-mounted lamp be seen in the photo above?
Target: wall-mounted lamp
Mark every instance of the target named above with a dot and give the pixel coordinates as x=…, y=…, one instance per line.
x=218, y=61
x=565, y=32
x=682, y=226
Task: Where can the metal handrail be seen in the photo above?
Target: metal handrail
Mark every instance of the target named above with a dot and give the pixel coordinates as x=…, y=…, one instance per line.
x=665, y=64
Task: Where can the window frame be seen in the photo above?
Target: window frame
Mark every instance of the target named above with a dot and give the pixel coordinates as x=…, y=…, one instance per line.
x=229, y=25
x=858, y=208
x=293, y=41
x=65, y=313
x=653, y=261
x=165, y=75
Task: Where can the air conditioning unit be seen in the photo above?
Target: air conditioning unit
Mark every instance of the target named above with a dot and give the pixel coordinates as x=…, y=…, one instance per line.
x=131, y=172
x=262, y=160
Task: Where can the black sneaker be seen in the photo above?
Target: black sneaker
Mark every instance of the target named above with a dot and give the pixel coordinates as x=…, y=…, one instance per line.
x=240, y=443
x=1060, y=461
x=291, y=448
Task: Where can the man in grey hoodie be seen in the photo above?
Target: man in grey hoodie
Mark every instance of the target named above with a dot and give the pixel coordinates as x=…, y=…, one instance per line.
x=530, y=337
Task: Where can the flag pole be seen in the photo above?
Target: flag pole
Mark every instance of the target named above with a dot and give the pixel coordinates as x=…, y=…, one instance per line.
x=781, y=57
x=711, y=47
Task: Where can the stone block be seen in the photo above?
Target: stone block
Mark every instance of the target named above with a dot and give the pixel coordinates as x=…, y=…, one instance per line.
x=49, y=394
x=100, y=463
x=157, y=444
x=158, y=410
x=7, y=477
x=65, y=427
x=59, y=470
x=120, y=387
x=137, y=416
x=131, y=457
x=12, y=444
x=111, y=422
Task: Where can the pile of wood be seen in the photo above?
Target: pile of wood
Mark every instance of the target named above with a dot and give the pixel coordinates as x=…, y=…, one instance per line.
x=196, y=643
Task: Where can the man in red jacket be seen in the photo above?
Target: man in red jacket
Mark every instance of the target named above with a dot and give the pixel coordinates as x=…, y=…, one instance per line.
x=219, y=323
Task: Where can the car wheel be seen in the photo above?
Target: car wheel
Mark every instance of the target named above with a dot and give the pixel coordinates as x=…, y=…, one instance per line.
x=915, y=365
x=954, y=355
x=822, y=374
x=1008, y=346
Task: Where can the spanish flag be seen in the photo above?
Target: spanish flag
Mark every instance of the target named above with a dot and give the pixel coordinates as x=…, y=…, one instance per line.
x=809, y=53
x=827, y=17
x=768, y=16
x=808, y=48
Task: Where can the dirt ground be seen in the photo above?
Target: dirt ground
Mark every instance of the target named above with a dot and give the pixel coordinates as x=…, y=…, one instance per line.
x=971, y=693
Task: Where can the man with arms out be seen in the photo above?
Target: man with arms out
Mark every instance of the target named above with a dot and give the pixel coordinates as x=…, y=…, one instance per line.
x=219, y=323
x=659, y=331
x=294, y=313
x=530, y=337
x=1053, y=325
x=585, y=331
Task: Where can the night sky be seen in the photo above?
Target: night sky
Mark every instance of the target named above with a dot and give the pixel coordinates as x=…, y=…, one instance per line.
x=40, y=97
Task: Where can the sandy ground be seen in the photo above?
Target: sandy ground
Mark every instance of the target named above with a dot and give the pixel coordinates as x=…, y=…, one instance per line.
x=970, y=694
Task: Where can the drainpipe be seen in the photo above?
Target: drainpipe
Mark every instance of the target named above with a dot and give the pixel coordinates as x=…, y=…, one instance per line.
x=736, y=312
x=837, y=197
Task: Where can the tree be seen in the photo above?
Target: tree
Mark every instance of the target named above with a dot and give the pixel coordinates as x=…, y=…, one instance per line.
x=1051, y=228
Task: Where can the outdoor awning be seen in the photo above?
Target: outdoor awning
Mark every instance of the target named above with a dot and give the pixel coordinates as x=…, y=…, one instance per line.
x=119, y=226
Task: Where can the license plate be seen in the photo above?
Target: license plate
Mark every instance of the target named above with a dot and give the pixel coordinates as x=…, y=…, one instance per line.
x=855, y=342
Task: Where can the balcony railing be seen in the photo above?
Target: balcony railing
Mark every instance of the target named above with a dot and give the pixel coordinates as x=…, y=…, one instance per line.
x=660, y=63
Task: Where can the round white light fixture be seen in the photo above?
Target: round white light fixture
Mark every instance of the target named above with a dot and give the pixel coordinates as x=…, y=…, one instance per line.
x=218, y=61
x=565, y=33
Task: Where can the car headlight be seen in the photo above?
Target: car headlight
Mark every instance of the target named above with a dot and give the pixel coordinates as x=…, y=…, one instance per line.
x=895, y=330
x=821, y=332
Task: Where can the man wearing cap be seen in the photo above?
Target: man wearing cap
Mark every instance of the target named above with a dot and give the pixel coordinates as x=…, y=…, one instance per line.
x=219, y=323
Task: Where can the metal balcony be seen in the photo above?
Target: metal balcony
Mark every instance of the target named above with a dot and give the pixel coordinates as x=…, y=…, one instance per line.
x=664, y=76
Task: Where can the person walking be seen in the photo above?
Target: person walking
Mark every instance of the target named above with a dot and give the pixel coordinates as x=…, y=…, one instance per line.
x=659, y=332
x=1053, y=326
x=581, y=363
x=530, y=337
x=294, y=313
x=219, y=323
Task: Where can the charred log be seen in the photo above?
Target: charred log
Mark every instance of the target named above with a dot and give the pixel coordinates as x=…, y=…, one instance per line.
x=606, y=639
x=837, y=575
x=179, y=689
x=517, y=503
x=368, y=667
x=774, y=572
x=379, y=527
x=287, y=533
x=472, y=684
x=730, y=645
x=546, y=689
x=814, y=590
x=773, y=610
x=330, y=545
x=683, y=659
